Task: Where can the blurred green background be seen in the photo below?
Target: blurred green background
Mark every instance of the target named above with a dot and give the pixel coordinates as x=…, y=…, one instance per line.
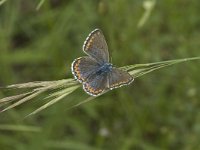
x=158, y=111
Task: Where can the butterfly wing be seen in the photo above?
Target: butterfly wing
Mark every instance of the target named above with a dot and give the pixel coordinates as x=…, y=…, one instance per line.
x=95, y=46
x=96, y=84
x=83, y=67
x=118, y=78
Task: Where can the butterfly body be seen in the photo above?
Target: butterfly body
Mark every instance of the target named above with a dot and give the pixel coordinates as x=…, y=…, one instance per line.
x=95, y=71
x=103, y=69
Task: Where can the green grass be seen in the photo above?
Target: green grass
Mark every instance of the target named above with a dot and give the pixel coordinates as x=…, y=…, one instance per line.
x=67, y=86
x=40, y=39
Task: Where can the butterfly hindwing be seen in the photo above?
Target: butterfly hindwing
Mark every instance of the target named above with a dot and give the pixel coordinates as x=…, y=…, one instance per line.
x=96, y=84
x=118, y=78
x=95, y=46
x=83, y=67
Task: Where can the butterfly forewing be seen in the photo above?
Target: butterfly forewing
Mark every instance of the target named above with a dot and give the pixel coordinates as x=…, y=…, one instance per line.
x=118, y=78
x=95, y=46
x=83, y=67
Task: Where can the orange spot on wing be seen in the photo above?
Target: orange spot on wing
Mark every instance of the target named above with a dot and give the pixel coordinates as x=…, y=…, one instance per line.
x=77, y=70
x=91, y=90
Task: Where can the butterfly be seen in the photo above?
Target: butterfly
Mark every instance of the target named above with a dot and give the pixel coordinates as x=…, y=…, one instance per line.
x=95, y=71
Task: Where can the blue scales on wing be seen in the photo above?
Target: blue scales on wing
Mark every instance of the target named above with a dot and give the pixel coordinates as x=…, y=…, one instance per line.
x=96, y=84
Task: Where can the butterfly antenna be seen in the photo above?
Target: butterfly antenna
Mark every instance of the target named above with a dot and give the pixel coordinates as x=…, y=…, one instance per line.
x=111, y=56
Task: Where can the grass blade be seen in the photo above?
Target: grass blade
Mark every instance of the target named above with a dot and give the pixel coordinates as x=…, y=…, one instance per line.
x=61, y=88
x=67, y=92
x=19, y=128
x=64, y=82
x=2, y=1
x=13, y=98
x=141, y=69
x=27, y=98
x=40, y=4
x=148, y=6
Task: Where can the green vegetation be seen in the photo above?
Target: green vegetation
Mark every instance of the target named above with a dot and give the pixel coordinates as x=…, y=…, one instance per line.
x=38, y=42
